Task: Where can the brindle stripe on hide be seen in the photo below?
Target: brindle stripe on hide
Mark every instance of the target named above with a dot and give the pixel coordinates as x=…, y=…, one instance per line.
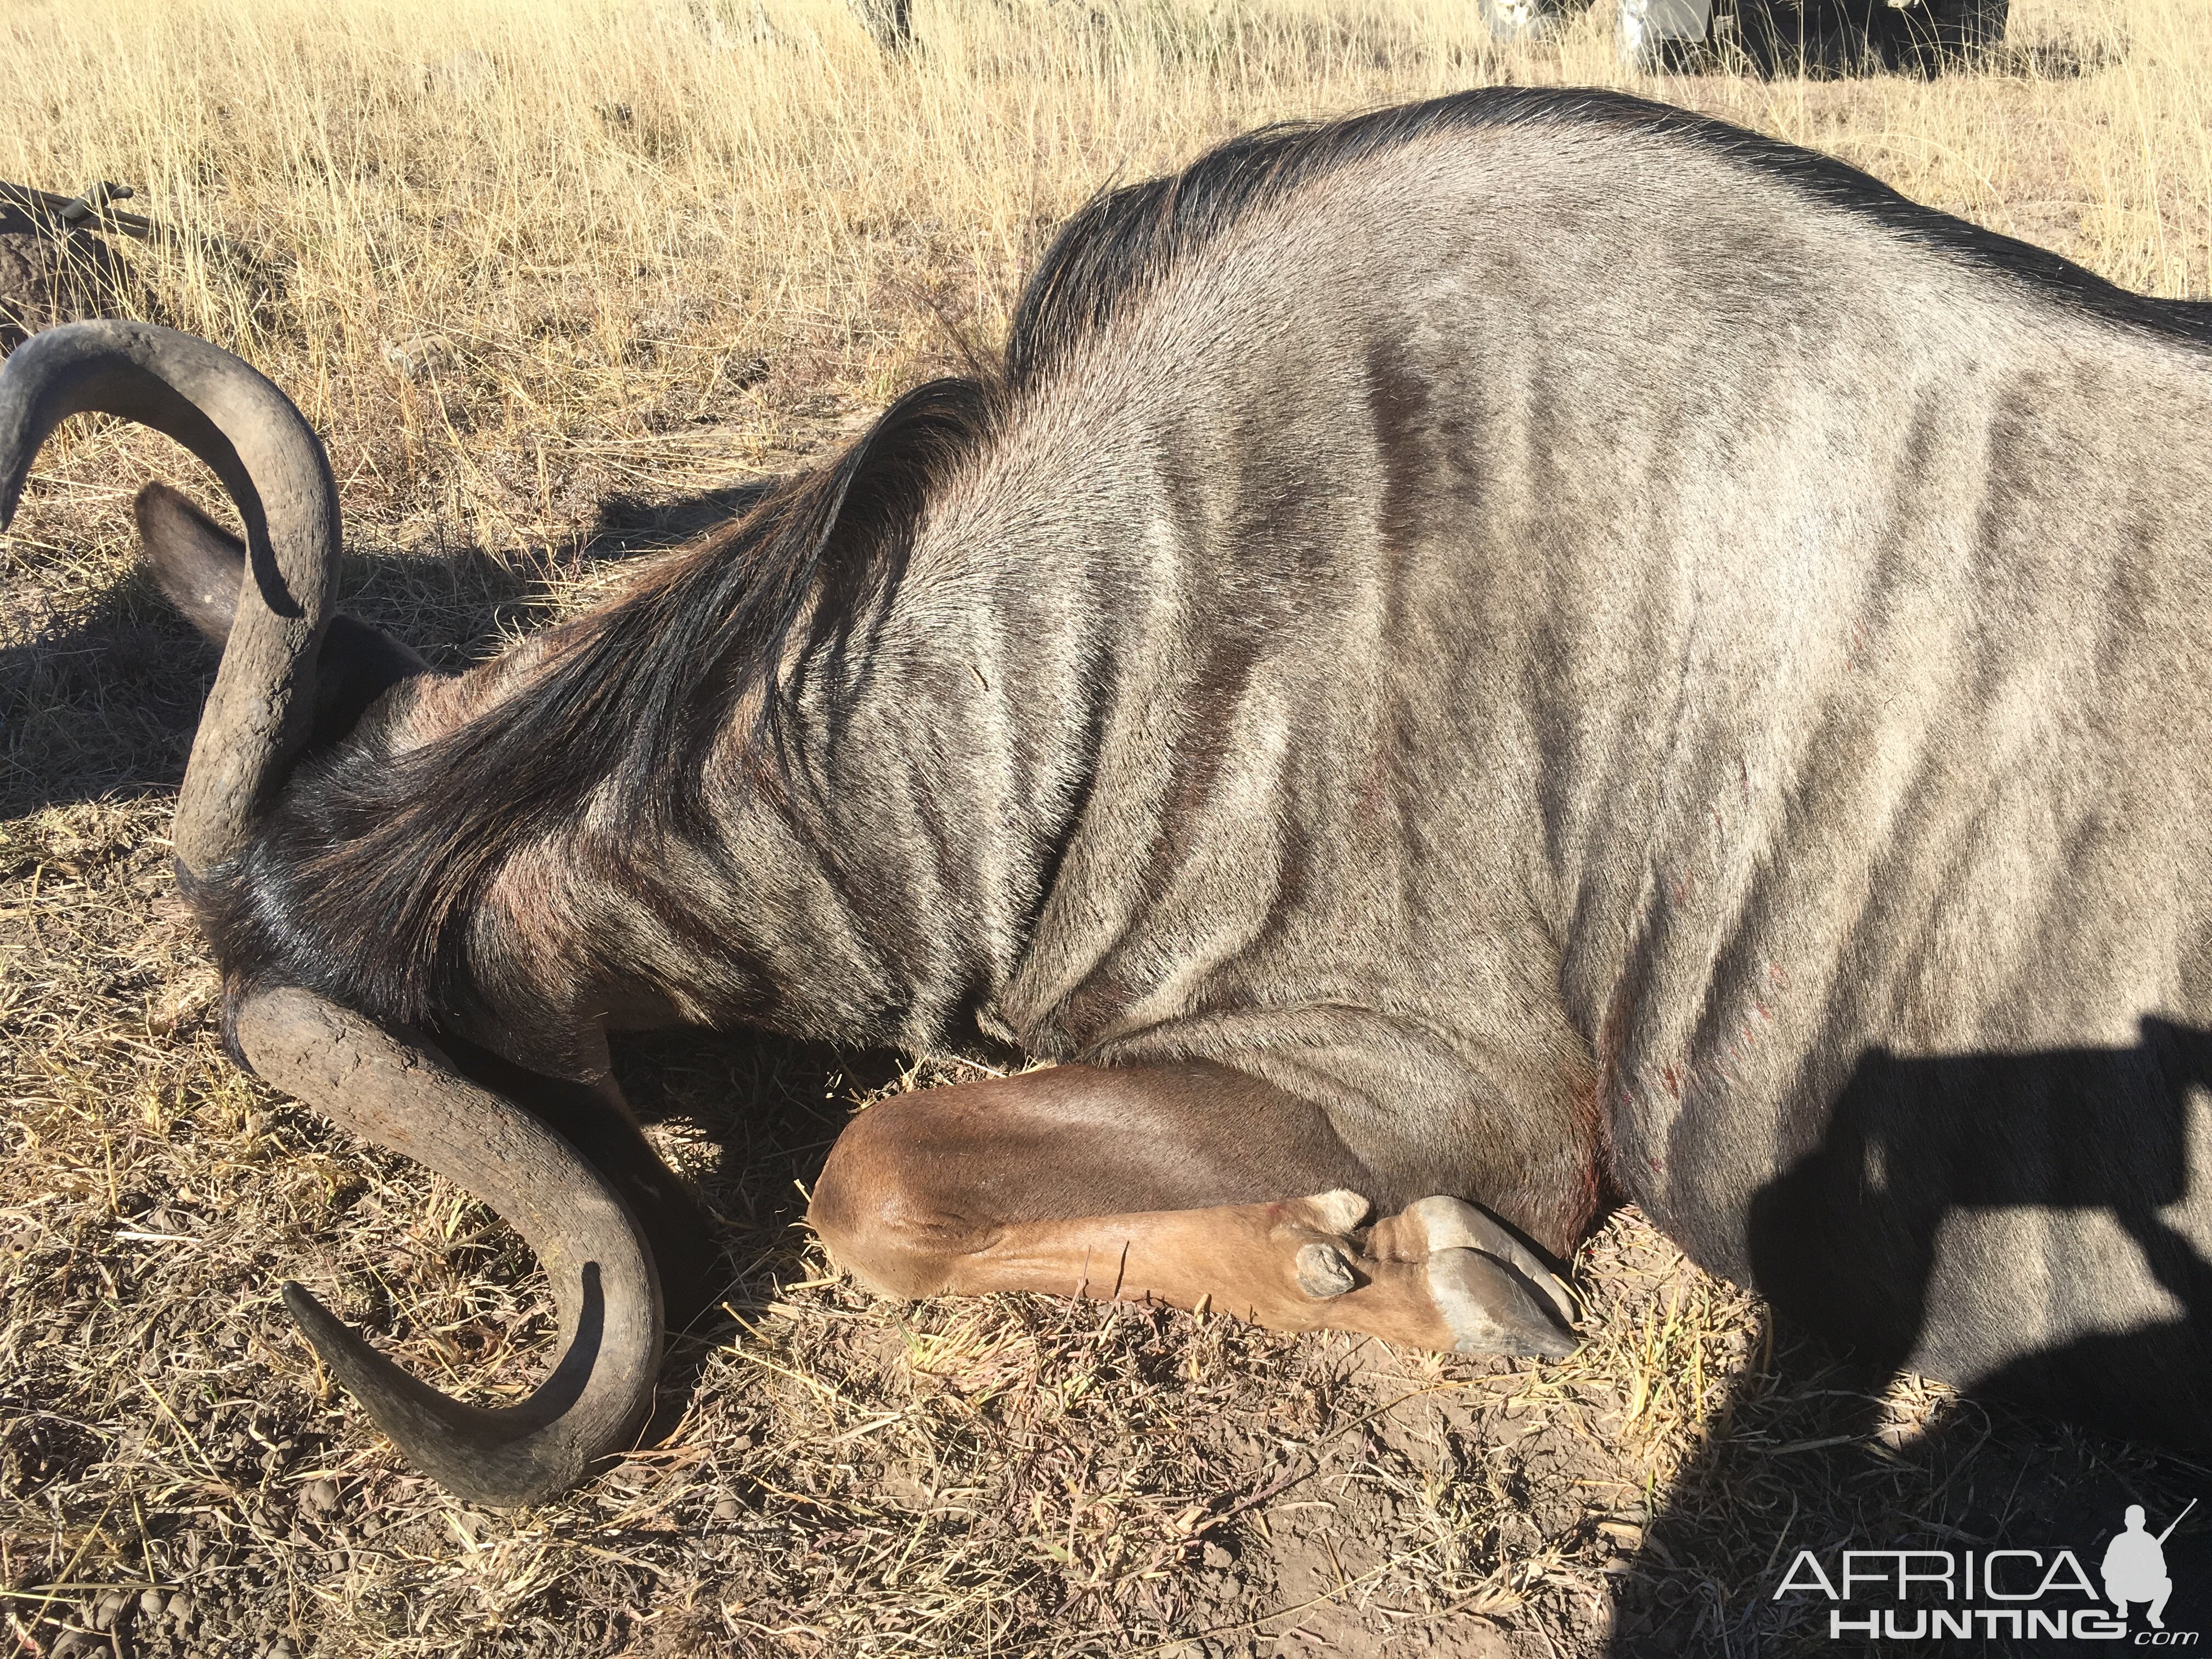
x=361, y=882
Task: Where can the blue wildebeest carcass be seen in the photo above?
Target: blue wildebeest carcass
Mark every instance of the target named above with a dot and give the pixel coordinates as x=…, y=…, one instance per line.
x=1471, y=663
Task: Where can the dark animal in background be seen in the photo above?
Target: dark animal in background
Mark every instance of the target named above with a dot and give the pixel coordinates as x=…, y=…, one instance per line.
x=52, y=267
x=1478, y=661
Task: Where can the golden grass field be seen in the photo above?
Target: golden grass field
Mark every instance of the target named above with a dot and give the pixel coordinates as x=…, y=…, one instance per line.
x=558, y=280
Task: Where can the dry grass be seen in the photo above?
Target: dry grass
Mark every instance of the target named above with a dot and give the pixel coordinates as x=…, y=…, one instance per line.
x=557, y=279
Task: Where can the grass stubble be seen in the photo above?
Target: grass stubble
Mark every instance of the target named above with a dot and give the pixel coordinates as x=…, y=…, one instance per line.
x=558, y=281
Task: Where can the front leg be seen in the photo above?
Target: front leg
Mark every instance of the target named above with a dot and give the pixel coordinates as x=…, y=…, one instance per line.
x=1193, y=1185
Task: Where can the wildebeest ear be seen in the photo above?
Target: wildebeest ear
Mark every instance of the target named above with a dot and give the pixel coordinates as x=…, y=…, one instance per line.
x=197, y=563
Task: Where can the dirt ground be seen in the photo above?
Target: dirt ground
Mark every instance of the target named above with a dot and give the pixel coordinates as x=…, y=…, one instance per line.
x=831, y=1475
x=835, y=1475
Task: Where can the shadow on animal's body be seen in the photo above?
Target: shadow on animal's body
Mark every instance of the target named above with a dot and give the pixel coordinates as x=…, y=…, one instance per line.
x=1500, y=650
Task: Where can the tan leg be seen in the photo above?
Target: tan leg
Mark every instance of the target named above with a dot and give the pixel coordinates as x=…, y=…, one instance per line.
x=1178, y=1185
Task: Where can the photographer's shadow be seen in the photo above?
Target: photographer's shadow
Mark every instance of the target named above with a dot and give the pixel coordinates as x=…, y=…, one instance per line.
x=2038, y=1196
x=2031, y=1182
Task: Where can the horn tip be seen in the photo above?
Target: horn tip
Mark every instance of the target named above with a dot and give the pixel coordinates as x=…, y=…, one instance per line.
x=489, y=1471
x=300, y=1301
x=326, y=1335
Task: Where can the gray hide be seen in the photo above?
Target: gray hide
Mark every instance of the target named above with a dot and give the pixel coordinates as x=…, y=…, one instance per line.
x=1619, y=658
x=1612, y=656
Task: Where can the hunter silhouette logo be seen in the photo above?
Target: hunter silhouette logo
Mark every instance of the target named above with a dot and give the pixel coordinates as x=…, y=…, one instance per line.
x=2135, y=1566
x=2009, y=1594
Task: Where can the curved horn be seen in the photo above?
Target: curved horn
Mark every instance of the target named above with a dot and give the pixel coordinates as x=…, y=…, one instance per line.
x=406, y=1097
x=272, y=464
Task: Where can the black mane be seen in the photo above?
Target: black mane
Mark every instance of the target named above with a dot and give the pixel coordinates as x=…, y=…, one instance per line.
x=364, y=878
x=360, y=883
